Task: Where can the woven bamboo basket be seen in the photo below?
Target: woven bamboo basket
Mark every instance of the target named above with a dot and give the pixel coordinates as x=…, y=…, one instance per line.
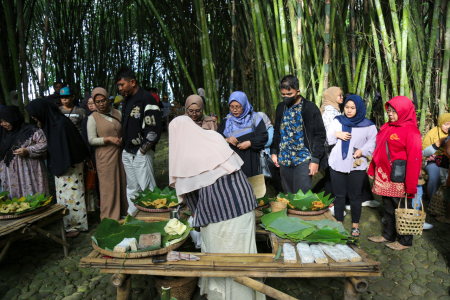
x=409, y=221
x=307, y=213
x=140, y=254
x=437, y=206
x=25, y=214
x=181, y=288
x=258, y=216
x=277, y=206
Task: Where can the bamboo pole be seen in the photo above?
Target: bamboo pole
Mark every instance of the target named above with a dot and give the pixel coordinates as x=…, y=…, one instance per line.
x=233, y=40
x=396, y=27
x=443, y=105
x=298, y=53
x=352, y=24
x=263, y=40
x=258, y=62
x=169, y=37
x=327, y=44
x=404, y=85
x=428, y=72
x=379, y=67
x=285, y=56
x=262, y=288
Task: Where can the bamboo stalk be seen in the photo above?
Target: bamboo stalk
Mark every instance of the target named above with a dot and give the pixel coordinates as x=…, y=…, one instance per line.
x=233, y=39
x=327, y=44
x=443, y=105
x=283, y=38
x=404, y=86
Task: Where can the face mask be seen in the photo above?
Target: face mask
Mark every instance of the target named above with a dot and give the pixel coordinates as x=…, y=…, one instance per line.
x=289, y=100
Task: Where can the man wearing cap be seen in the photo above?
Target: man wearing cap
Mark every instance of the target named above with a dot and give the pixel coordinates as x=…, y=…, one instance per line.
x=141, y=130
x=75, y=113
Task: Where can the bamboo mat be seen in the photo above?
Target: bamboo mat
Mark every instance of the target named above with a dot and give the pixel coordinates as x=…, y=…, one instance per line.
x=11, y=225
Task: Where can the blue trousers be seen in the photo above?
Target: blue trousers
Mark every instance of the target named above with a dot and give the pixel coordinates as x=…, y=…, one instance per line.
x=434, y=181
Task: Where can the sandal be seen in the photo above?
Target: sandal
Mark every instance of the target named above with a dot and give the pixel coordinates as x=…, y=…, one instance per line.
x=443, y=219
x=378, y=239
x=356, y=232
x=397, y=246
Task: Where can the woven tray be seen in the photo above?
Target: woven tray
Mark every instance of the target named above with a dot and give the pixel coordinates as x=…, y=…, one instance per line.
x=141, y=254
x=155, y=210
x=307, y=213
x=264, y=206
x=28, y=213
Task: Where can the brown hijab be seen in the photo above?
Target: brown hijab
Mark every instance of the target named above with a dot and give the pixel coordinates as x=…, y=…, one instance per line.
x=206, y=122
x=329, y=98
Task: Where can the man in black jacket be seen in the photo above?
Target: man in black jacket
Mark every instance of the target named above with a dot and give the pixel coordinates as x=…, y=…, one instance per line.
x=141, y=130
x=299, y=138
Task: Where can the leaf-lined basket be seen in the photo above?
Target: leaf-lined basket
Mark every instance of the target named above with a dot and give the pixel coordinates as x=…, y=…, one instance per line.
x=304, y=202
x=34, y=201
x=147, y=196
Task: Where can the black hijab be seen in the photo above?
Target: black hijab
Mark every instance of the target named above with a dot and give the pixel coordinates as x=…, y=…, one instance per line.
x=65, y=145
x=15, y=138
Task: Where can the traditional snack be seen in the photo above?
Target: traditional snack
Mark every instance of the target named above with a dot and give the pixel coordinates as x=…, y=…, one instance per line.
x=284, y=200
x=317, y=205
x=305, y=253
x=289, y=253
x=319, y=256
x=149, y=240
x=349, y=252
x=334, y=253
x=174, y=226
x=124, y=245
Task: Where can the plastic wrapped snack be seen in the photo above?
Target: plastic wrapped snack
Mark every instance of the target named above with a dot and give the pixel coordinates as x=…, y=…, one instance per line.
x=124, y=245
x=305, y=253
x=319, y=256
x=349, y=252
x=334, y=253
x=289, y=253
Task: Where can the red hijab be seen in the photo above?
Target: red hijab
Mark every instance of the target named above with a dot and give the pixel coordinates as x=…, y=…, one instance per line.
x=406, y=117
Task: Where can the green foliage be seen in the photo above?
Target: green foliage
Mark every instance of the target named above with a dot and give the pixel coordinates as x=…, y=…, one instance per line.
x=110, y=233
x=147, y=195
x=297, y=230
x=304, y=202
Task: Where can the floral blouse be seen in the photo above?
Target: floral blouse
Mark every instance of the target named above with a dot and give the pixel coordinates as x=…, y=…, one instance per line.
x=292, y=147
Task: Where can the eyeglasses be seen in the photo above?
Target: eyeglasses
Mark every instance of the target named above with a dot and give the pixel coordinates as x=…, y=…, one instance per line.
x=100, y=101
x=342, y=96
x=194, y=111
x=391, y=111
x=236, y=107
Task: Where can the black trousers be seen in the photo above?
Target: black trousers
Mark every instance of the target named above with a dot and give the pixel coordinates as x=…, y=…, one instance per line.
x=390, y=232
x=347, y=184
x=276, y=180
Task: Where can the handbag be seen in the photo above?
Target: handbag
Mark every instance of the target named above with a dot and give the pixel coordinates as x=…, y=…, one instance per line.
x=90, y=177
x=263, y=158
x=398, y=168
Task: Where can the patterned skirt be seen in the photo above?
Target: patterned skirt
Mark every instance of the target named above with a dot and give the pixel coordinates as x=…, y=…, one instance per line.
x=70, y=192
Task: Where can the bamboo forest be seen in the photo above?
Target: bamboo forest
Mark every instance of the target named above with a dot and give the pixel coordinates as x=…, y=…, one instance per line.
x=377, y=49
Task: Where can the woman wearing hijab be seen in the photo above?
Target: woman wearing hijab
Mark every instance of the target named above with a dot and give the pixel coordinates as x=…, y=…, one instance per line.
x=402, y=138
x=433, y=148
x=194, y=107
x=353, y=137
x=219, y=196
x=65, y=155
x=244, y=132
x=105, y=133
x=22, y=150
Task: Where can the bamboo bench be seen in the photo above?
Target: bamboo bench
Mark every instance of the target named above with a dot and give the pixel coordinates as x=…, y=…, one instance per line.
x=240, y=266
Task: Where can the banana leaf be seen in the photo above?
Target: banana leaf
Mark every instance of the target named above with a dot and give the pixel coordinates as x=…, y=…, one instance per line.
x=265, y=200
x=304, y=202
x=149, y=195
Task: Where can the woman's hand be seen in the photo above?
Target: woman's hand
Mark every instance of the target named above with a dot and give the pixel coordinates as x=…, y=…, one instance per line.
x=232, y=140
x=244, y=145
x=357, y=154
x=22, y=152
x=440, y=142
x=371, y=177
x=113, y=140
x=275, y=160
x=345, y=136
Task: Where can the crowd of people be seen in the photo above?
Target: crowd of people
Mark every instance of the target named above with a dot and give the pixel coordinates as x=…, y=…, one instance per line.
x=210, y=163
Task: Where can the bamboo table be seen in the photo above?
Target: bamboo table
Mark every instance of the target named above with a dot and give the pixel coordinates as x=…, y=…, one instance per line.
x=12, y=230
x=240, y=266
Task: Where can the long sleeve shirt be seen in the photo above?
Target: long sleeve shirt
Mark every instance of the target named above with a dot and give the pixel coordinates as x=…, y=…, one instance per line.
x=363, y=138
x=141, y=122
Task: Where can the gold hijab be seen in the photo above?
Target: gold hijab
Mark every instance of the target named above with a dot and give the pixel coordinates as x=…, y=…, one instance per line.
x=329, y=98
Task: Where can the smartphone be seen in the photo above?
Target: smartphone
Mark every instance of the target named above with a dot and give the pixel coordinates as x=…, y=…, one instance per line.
x=159, y=258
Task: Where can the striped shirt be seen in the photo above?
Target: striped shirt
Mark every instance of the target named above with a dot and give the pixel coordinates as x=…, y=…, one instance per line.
x=229, y=197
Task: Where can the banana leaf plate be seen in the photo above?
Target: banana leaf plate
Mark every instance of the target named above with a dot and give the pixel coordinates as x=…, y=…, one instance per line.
x=25, y=214
x=140, y=254
x=156, y=210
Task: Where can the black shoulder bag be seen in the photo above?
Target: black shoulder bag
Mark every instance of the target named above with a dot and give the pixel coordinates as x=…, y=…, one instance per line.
x=264, y=159
x=398, y=168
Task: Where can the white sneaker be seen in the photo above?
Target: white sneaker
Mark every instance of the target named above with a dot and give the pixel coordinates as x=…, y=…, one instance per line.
x=332, y=211
x=427, y=226
x=347, y=207
x=371, y=203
